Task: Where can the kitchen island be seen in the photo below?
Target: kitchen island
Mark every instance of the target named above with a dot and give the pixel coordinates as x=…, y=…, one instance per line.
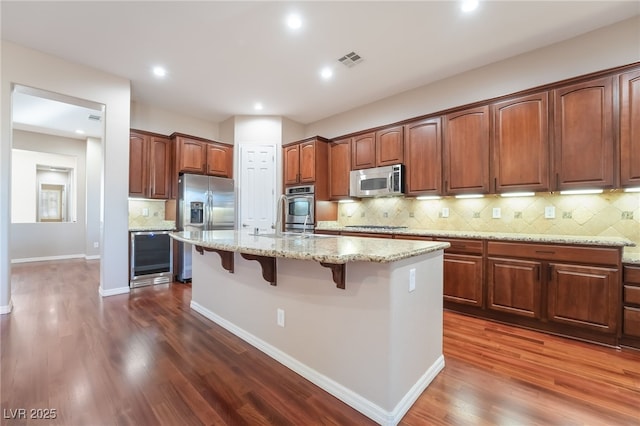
x=359, y=317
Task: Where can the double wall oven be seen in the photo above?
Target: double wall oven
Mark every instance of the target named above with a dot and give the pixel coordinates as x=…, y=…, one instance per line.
x=300, y=208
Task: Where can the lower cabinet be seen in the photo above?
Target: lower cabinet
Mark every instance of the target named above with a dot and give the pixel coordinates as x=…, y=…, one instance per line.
x=631, y=307
x=463, y=279
x=514, y=286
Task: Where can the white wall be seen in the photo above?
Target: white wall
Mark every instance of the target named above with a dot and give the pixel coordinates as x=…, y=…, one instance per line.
x=93, y=207
x=157, y=120
x=612, y=46
x=34, y=69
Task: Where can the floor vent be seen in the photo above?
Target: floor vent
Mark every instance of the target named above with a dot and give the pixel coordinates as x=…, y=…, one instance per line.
x=351, y=59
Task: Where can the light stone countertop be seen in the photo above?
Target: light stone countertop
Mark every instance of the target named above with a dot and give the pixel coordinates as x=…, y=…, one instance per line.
x=328, y=249
x=629, y=256
x=164, y=226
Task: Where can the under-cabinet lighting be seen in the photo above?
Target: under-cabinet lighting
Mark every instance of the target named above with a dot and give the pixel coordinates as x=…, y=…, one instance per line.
x=636, y=189
x=428, y=197
x=518, y=194
x=581, y=192
x=346, y=201
x=462, y=196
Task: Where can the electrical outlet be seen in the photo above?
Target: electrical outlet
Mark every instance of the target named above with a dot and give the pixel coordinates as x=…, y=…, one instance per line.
x=496, y=214
x=550, y=212
x=412, y=279
x=145, y=212
x=445, y=212
x=280, y=317
x=96, y=244
x=385, y=214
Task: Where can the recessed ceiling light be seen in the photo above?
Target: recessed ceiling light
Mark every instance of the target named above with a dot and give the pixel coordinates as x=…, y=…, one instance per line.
x=469, y=5
x=294, y=21
x=326, y=73
x=257, y=106
x=159, y=71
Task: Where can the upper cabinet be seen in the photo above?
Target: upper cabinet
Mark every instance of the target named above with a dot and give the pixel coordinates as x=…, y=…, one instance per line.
x=201, y=156
x=520, y=144
x=466, y=151
x=382, y=148
x=339, y=168
x=150, y=164
x=630, y=129
x=583, y=135
x=306, y=162
x=363, y=151
x=423, y=148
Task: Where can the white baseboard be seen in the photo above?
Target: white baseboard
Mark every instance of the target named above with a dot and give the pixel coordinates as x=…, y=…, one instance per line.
x=356, y=401
x=113, y=291
x=6, y=309
x=45, y=258
x=92, y=257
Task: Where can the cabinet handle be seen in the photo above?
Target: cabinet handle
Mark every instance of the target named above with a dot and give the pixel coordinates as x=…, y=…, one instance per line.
x=495, y=183
x=549, y=273
x=539, y=273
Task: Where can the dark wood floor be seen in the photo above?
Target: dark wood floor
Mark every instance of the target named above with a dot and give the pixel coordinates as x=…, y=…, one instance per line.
x=147, y=359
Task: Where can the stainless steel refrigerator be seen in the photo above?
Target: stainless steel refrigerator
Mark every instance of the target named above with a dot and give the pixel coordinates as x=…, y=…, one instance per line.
x=204, y=203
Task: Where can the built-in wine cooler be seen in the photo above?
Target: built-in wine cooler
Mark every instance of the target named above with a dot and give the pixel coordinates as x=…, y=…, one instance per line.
x=151, y=258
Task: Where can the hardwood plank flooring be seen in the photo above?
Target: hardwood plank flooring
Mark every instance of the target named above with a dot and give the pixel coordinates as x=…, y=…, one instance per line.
x=146, y=359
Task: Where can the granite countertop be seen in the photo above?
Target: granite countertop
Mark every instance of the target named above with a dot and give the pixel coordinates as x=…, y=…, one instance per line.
x=329, y=249
x=629, y=256
x=166, y=225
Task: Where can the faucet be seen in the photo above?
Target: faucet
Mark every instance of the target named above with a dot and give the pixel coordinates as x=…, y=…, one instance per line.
x=304, y=227
x=279, y=213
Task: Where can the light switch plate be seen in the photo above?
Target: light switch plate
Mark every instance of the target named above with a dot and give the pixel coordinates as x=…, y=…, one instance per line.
x=497, y=214
x=549, y=212
x=445, y=212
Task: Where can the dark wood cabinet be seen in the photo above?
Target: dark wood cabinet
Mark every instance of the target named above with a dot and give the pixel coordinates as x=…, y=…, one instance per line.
x=307, y=162
x=514, y=286
x=390, y=146
x=631, y=307
x=150, y=165
x=339, y=168
x=583, y=135
x=363, y=151
x=584, y=296
x=466, y=151
x=463, y=271
x=423, y=160
x=630, y=129
x=521, y=144
x=219, y=160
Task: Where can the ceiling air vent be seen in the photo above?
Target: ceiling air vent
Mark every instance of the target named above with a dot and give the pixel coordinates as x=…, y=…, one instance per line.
x=94, y=117
x=351, y=59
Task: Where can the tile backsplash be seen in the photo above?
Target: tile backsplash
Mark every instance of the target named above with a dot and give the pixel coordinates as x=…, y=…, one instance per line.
x=612, y=214
x=145, y=213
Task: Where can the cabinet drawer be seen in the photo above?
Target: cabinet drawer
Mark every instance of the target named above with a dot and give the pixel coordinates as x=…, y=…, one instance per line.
x=462, y=246
x=631, y=325
x=365, y=234
x=590, y=255
x=631, y=294
x=631, y=275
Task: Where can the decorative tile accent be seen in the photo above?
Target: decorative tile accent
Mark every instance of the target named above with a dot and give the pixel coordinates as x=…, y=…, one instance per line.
x=154, y=218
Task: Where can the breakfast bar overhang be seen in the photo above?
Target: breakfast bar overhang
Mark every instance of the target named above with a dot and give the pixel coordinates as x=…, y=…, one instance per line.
x=374, y=342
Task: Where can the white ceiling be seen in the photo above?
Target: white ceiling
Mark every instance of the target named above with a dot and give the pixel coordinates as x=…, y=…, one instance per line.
x=222, y=57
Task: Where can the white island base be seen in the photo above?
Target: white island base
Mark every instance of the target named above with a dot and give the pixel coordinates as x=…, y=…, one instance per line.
x=374, y=345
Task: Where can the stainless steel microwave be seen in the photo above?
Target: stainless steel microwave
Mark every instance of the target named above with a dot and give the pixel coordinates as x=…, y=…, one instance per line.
x=377, y=182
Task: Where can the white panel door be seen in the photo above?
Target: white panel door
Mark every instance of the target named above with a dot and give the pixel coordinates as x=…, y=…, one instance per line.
x=257, y=187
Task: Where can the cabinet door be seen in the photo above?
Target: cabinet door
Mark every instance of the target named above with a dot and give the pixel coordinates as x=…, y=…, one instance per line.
x=423, y=147
x=521, y=144
x=584, y=296
x=390, y=146
x=583, y=130
x=219, y=160
x=192, y=155
x=308, y=162
x=291, y=158
x=339, y=168
x=466, y=151
x=462, y=279
x=138, y=170
x=363, y=151
x=514, y=286
x=160, y=168
x=630, y=129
